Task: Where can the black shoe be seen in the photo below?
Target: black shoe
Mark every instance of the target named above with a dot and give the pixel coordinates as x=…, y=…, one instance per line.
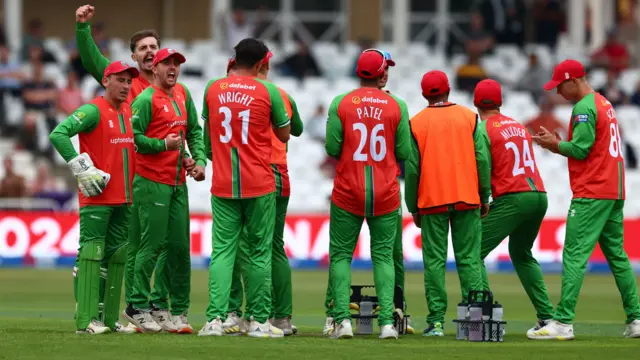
x=131, y=311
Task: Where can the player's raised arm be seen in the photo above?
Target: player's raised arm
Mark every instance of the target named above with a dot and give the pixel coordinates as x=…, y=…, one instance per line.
x=296, y=122
x=483, y=161
x=85, y=119
x=141, y=110
x=92, y=59
x=334, y=138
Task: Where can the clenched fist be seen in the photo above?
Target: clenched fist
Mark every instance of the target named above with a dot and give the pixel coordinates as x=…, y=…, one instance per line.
x=198, y=173
x=172, y=142
x=85, y=13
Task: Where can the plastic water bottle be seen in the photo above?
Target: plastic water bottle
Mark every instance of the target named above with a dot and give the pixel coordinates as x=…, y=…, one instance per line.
x=498, y=329
x=365, y=326
x=461, y=328
x=475, y=329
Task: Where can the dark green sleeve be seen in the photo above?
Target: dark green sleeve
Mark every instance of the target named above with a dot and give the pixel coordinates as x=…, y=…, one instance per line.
x=205, y=118
x=403, y=148
x=483, y=161
x=412, y=176
x=85, y=119
x=279, y=117
x=583, y=121
x=92, y=59
x=334, y=137
x=296, y=122
x=141, y=110
x=194, y=131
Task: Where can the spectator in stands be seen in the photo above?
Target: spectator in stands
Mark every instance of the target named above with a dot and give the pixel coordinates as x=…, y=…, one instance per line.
x=237, y=28
x=469, y=74
x=364, y=43
x=301, y=63
x=262, y=23
x=28, y=133
x=10, y=77
x=534, y=78
x=316, y=125
x=611, y=90
x=45, y=182
x=546, y=118
x=12, y=185
x=70, y=98
x=35, y=38
x=478, y=40
x=613, y=55
x=505, y=19
x=40, y=95
x=549, y=18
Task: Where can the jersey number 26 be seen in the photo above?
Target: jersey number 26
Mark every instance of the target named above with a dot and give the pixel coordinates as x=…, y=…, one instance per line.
x=377, y=143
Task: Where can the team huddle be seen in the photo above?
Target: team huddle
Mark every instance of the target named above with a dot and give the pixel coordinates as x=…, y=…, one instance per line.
x=134, y=207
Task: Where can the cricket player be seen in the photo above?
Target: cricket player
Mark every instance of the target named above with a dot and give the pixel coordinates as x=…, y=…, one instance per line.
x=144, y=45
x=241, y=113
x=104, y=170
x=281, y=270
x=596, y=174
x=164, y=115
x=441, y=188
x=509, y=172
x=367, y=132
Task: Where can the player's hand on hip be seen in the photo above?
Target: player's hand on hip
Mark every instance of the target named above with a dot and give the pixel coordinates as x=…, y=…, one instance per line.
x=416, y=219
x=91, y=181
x=188, y=164
x=484, y=210
x=84, y=13
x=172, y=142
x=198, y=173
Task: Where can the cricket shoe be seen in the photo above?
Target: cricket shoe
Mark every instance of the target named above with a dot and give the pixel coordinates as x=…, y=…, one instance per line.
x=163, y=318
x=212, y=328
x=388, y=332
x=266, y=330
x=329, y=326
x=633, y=329
x=134, y=327
x=410, y=329
x=539, y=325
x=284, y=324
x=342, y=330
x=141, y=319
x=95, y=327
x=121, y=329
x=554, y=330
x=234, y=325
x=435, y=329
x=182, y=324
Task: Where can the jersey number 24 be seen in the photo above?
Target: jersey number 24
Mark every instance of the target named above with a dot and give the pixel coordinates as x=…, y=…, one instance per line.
x=527, y=159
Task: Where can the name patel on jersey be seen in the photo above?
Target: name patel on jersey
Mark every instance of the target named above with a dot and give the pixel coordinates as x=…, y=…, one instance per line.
x=513, y=131
x=236, y=97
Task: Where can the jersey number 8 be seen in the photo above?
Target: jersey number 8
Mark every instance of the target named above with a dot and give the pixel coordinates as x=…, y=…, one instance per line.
x=377, y=144
x=614, y=144
x=226, y=124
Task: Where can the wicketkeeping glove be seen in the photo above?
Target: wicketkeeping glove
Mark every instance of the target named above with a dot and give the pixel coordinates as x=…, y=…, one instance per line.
x=91, y=181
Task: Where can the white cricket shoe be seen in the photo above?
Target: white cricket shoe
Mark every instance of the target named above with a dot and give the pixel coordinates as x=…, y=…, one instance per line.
x=163, y=318
x=329, y=326
x=388, y=332
x=121, y=329
x=95, y=327
x=284, y=324
x=410, y=329
x=633, y=329
x=539, y=325
x=134, y=327
x=142, y=320
x=182, y=324
x=212, y=328
x=343, y=330
x=266, y=330
x=234, y=325
x=554, y=330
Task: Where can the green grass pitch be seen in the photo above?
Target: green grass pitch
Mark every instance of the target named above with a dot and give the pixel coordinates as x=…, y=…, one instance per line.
x=36, y=322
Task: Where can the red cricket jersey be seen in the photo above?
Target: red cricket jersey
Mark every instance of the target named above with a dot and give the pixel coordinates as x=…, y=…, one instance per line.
x=168, y=115
x=601, y=174
x=365, y=183
x=240, y=111
x=513, y=164
x=111, y=148
x=138, y=85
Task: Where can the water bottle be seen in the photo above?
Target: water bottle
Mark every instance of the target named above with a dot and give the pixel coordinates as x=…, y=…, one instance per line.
x=365, y=326
x=461, y=328
x=498, y=329
x=475, y=329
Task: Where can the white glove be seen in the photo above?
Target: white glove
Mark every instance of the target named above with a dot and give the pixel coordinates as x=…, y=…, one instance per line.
x=91, y=181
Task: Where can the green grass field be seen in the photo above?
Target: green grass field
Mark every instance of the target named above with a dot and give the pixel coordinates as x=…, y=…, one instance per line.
x=36, y=322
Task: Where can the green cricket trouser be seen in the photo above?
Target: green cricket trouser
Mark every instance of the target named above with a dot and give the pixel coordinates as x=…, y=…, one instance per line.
x=592, y=221
x=282, y=297
x=344, y=230
x=466, y=236
x=518, y=216
x=163, y=214
x=230, y=217
x=100, y=223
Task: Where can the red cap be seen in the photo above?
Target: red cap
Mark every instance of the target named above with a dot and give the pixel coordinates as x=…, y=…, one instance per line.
x=371, y=64
x=117, y=67
x=434, y=82
x=267, y=57
x=162, y=54
x=488, y=93
x=232, y=61
x=568, y=69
